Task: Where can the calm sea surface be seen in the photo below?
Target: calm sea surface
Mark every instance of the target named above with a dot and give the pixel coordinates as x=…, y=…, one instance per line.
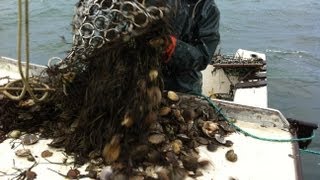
x=287, y=31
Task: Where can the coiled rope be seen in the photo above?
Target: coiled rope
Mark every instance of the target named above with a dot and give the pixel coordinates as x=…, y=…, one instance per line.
x=24, y=77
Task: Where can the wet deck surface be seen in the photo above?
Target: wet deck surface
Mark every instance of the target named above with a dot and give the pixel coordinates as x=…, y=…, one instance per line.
x=256, y=159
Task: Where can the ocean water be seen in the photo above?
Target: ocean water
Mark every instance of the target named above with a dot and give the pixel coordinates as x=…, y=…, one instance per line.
x=288, y=32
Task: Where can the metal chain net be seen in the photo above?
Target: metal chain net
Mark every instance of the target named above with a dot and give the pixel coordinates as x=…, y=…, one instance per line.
x=98, y=22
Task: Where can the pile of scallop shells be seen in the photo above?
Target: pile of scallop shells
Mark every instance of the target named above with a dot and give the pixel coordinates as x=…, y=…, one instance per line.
x=169, y=148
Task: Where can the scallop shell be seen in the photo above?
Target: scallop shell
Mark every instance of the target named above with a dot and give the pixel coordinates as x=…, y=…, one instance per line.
x=173, y=96
x=231, y=156
x=23, y=152
x=156, y=138
x=228, y=143
x=29, y=139
x=209, y=128
x=27, y=103
x=212, y=147
x=154, y=95
x=31, y=175
x=111, y=151
x=30, y=158
x=190, y=162
x=153, y=74
x=164, y=111
x=14, y=134
x=177, y=114
x=183, y=137
x=202, y=140
x=73, y=173
x=220, y=139
x=46, y=154
x=127, y=120
x=156, y=128
x=151, y=172
x=176, y=146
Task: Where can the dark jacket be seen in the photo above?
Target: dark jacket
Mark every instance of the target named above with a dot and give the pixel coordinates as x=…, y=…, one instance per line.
x=196, y=26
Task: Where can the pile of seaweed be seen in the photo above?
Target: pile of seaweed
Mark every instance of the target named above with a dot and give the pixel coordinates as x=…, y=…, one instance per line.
x=110, y=108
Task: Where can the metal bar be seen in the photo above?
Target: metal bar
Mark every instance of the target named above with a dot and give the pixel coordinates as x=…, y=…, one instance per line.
x=251, y=84
x=254, y=76
x=237, y=65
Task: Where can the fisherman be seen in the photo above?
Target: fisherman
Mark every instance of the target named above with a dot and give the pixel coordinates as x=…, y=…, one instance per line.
x=195, y=39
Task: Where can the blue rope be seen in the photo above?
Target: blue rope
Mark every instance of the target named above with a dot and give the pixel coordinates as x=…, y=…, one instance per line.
x=218, y=110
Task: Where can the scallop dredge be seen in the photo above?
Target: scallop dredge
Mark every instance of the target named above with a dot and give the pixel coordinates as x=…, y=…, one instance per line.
x=108, y=103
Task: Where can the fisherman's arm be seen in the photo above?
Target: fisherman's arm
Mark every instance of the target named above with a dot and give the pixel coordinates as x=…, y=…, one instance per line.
x=197, y=54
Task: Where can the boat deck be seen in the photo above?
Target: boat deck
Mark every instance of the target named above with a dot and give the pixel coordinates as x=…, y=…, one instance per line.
x=256, y=159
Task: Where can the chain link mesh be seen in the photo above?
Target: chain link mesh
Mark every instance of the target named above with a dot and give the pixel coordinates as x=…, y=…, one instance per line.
x=98, y=22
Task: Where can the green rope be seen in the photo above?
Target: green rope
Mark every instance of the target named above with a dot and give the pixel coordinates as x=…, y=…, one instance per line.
x=218, y=110
x=310, y=151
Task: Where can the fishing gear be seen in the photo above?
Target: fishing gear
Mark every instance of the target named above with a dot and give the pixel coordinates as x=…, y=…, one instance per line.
x=97, y=23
